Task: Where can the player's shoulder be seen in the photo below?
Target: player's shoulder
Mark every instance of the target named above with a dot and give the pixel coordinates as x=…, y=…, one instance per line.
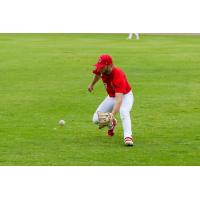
x=118, y=70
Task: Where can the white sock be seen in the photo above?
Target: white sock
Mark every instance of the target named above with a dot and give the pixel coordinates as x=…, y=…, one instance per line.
x=137, y=36
x=130, y=36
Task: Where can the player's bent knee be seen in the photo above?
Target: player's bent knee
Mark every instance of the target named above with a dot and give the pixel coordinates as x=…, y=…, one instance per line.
x=95, y=118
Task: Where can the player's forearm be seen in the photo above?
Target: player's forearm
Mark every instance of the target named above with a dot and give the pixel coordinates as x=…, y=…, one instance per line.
x=95, y=80
x=117, y=104
x=116, y=108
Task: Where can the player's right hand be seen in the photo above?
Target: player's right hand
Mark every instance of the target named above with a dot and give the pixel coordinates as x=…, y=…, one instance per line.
x=90, y=88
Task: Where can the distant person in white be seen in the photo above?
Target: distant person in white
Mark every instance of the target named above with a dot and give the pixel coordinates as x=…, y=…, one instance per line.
x=131, y=35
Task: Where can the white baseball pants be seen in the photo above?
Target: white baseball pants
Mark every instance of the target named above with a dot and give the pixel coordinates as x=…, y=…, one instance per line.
x=126, y=106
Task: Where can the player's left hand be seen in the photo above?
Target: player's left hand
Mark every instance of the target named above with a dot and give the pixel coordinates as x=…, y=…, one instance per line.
x=105, y=119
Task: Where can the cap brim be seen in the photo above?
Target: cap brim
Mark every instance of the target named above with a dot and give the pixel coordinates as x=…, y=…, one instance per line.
x=99, y=66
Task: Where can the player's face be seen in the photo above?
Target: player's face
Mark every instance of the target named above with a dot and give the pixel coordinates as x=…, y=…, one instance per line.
x=106, y=70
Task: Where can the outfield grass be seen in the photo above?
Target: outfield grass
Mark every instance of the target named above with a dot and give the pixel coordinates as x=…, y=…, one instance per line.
x=44, y=78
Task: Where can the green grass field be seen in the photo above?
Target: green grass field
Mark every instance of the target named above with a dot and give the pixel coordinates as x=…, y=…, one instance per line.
x=44, y=78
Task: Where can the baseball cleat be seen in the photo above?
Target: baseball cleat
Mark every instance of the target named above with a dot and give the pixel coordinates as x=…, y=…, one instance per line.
x=128, y=141
x=112, y=127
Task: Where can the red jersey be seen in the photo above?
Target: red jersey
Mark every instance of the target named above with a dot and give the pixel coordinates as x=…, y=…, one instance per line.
x=115, y=82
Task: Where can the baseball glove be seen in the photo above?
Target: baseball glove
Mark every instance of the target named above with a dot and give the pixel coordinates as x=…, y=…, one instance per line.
x=105, y=119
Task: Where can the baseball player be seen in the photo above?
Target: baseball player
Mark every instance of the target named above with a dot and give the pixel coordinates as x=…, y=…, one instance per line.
x=137, y=35
x=120, y=97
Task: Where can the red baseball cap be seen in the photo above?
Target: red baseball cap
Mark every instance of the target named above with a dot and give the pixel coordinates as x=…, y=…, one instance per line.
x=103, y=60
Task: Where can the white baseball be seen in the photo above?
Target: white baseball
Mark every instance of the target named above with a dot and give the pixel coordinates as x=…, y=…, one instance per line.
x=61, y=122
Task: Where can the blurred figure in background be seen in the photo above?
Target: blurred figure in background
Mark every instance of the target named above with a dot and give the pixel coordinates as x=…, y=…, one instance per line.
x=131, y=35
